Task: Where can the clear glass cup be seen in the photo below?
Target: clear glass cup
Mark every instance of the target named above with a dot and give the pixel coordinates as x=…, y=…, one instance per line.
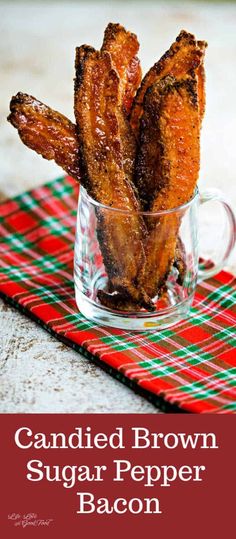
x=173, y=260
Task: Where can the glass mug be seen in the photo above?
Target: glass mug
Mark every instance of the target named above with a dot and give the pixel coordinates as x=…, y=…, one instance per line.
x=176, y=227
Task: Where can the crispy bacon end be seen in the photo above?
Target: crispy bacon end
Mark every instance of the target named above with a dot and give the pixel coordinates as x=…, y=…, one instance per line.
x=123, y=47
x=183, y=56
x=46, y=131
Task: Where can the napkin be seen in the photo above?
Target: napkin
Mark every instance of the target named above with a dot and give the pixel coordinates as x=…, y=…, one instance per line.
x=190, y=367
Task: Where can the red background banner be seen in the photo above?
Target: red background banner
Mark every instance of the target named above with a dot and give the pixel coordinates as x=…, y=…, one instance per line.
x=189, y=509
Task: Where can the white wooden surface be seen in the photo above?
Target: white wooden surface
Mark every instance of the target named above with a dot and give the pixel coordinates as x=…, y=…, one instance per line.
x=39, y=374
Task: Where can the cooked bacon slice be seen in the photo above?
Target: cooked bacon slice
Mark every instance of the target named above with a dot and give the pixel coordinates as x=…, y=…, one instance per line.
x=183, y=56
x=123, y=47
x=98, y=116
x=179, y=132
x=52, y=135
x=149, y=177
x=46, y=131
x=171, y=108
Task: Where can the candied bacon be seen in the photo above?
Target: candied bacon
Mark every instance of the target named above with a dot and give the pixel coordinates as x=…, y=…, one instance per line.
x=101, y=151
x=172, y=108
x=183, y=56
x=123, y=47
x=98, y=114
x=46, y=131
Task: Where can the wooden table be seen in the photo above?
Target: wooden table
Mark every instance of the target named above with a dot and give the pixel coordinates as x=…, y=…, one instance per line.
x=37, y=42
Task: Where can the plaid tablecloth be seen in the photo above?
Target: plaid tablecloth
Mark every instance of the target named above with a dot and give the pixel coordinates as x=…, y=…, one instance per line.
x=191, y=367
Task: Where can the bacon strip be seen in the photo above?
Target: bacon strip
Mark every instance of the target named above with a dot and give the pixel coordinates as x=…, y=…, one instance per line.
x=46, y=131
x=183, y=56
x=171, y=110
x=123, y=47
x=98, y=118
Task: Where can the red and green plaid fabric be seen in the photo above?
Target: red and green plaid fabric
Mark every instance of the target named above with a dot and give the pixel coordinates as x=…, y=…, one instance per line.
x=191, y=367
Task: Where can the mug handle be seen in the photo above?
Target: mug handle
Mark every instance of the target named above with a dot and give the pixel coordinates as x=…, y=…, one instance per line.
x=207, y=269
